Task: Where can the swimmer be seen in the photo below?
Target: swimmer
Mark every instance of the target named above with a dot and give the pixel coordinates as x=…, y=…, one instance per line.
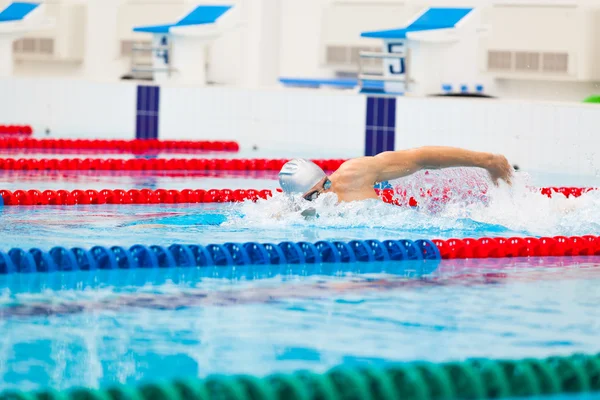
x=356, y=178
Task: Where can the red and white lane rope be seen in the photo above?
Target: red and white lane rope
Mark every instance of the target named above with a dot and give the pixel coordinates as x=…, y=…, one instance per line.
x=117, y=146
x=152, y=164
x=164, y=196
x=500, y=247
x=16, y=130
x=133, y=196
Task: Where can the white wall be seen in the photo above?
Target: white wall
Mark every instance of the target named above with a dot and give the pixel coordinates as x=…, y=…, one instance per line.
x=47, y=69
x=544, y=28
x=551, y=137
x=344, y=21
x=541, y=136
x=301, y=26
x=67, y=35
x=69, y=108
x=512, y=28
x=101, y=59
x=225, y=55
x=596, y=46
x=287, y=121
x=544, y=90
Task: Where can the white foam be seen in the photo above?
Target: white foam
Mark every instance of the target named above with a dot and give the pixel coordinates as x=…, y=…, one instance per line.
x=519, y=209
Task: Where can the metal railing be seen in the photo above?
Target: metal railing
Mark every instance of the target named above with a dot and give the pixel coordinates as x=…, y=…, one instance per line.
x=139, y=69
x=364, y=76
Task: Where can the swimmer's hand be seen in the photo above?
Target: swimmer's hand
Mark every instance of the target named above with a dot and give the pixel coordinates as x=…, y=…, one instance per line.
x=499, y=168
x=309, y=213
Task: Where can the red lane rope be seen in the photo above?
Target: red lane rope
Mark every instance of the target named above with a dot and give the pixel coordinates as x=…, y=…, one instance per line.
x=124, y=167
x=83, y=177
x=202, y=164
x=117, y=146
x=22, y=130
x=499, y=247
x=153, y=164
x=133, y=196
x=163, y=196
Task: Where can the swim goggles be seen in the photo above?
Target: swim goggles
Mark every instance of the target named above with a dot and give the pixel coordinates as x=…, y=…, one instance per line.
x=314, y=194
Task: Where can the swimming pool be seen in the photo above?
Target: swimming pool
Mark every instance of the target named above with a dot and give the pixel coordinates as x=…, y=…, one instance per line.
x=98, y=328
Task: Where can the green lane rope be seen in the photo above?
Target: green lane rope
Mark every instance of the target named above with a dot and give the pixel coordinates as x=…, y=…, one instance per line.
x=350, y=384
x=189, y=389
x=470, y=379
x=378, y=383
x=520, y=378
x=548, y=382
x=318, y=385
x=90, y=394
x=255, y=388
x=15, y=395
x=127, y=393
x=407, y=380
x=492, y=374
x=222, y=387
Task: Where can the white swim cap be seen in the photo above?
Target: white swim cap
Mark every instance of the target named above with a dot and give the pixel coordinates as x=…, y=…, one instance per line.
x=299, y=175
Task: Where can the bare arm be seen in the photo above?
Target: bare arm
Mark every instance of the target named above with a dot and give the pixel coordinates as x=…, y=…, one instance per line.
x=396, y=164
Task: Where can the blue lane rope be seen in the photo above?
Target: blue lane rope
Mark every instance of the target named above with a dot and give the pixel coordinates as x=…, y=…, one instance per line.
x=227, y=254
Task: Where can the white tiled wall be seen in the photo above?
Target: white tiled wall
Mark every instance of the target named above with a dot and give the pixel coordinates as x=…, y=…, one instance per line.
x=551, y=137
x=290, y=121
x=72, y=108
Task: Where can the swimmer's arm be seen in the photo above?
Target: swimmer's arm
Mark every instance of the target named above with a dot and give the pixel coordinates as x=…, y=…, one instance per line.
x=396, y=164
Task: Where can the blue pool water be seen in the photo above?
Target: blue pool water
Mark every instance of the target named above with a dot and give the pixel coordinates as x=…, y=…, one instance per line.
x=103, y=327
x=129, y=326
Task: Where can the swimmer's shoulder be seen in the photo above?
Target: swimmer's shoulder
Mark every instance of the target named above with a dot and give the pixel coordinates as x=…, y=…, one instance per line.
x=354, y=180
x=361, y=167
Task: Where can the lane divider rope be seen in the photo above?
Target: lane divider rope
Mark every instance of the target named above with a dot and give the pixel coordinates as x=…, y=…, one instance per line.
x=153, y=164
x=252, y=253
x=500, y=247
x=83, y=176
x=21, y=130
x=215, y=164
x=228, y=254
x=133, y=196
x=474, y=378
x=173, y=196
x=117, y=146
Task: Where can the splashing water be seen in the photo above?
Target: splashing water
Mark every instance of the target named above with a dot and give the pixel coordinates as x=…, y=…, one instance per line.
x=459, y=200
